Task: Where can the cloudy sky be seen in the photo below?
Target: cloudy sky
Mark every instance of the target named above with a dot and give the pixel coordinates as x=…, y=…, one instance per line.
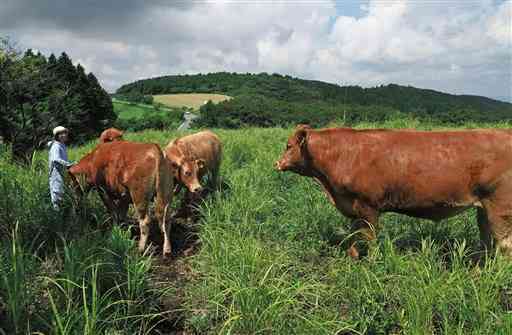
x=453, y=46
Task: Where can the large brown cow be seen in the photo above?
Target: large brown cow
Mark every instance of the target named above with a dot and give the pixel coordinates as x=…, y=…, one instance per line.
x=111, y=135
x=194, y=156
x=126, y=172
x=423, y=174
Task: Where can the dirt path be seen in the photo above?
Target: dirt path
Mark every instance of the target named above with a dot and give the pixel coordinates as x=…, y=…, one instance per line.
x=172, y=275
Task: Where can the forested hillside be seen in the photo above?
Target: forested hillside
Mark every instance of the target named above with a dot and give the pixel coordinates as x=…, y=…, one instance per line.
x=269, y=100
x=39, y=93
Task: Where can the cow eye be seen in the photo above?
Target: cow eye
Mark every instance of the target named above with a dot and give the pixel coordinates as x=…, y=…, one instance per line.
x=187, y=173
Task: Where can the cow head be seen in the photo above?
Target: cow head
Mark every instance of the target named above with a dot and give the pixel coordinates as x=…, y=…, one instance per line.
x=294, y=156
x=185, y=168
x=111, y=135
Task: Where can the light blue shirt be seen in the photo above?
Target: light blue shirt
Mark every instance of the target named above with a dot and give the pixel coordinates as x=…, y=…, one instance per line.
x=57, y=162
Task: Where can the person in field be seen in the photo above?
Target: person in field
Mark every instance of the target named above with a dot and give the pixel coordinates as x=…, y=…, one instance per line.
x=57, y=163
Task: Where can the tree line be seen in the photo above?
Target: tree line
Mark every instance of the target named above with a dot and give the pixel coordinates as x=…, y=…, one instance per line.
x=38, y=93
x=273, y=99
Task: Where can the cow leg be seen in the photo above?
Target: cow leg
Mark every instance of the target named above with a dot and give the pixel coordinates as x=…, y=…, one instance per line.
x=189, y=203
x=161, y=210
x=194, y=206
x=500, y=225
x=186, y=203
x=109, y=204
x=364, y=227
x=499, y=215
x=144, y=222
x=124, y=205
x=327, y=191
x=485, y=231
x=215, y=179
x=162, y=206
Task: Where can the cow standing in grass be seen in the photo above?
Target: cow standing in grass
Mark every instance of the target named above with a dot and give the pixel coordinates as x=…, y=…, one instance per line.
x=126, y=172
x=432, y=175
x=192, y=157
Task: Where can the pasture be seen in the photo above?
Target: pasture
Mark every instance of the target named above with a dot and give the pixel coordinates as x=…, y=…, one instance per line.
x=130, y=111
x=189, y=100
x=265, y=257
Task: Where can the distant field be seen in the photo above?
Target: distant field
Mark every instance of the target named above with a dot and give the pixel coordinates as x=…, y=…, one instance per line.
x=191, y=100
x=137, y=116
x=125, y=110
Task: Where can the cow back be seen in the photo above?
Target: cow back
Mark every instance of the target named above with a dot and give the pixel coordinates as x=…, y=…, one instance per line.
x=203, y=145
x=407, y=168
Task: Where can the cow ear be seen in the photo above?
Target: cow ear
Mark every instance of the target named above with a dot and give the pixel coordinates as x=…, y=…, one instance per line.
x=303, y=126
x=301, y=135
x=200, y=163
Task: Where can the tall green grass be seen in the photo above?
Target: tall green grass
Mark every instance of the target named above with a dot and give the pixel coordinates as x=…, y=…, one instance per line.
x=270, y=260
x=59, y=272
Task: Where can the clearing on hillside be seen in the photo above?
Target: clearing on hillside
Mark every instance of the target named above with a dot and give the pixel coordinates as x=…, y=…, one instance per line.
x=192, y=100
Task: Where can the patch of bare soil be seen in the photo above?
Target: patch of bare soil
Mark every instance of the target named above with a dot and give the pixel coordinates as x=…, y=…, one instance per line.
x=171, y=275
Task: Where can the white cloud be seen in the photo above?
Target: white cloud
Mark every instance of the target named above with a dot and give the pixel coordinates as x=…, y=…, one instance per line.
x=460, y=47
x=500, y=25
x=429, y=44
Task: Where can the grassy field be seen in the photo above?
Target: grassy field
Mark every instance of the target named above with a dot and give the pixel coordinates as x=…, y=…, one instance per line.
x=127, y=111
x=192, y=100
x=263, y=258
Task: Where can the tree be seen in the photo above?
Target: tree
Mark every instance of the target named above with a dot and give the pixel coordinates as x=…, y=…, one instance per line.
x=37, y=94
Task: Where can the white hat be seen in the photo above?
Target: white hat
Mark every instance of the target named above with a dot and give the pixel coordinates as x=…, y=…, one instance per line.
x=59, y=129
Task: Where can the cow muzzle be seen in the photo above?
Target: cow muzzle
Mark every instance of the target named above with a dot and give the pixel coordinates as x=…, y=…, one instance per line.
x=279, y=166
x=196, y=189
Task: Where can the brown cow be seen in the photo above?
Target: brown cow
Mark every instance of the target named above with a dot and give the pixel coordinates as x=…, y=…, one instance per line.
x=423, y=174
x=194, y=156
x=128, y=172
x=111, y=135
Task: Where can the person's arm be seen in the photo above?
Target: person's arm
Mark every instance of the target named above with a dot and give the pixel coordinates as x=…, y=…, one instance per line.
x=57, y=156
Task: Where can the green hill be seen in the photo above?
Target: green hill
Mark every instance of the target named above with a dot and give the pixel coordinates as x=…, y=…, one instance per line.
x=269, y=100
x=133, y=116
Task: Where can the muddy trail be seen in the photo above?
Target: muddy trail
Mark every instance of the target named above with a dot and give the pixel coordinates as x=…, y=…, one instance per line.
x=171, y=275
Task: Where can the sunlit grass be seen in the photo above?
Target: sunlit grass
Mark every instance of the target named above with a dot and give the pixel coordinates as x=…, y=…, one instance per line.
x=270, y=260
x=190, y=100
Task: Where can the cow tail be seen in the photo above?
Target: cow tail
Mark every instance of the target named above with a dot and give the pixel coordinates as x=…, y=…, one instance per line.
x=163, y=185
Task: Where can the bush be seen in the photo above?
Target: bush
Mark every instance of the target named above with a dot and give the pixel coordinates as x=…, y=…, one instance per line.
x=169, y=120
x=261, y=111
x=135, y=98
